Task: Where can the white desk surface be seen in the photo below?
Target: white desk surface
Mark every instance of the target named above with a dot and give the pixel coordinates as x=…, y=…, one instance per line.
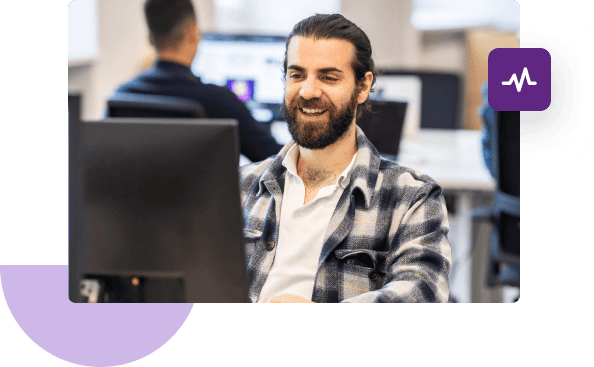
x=453, y=158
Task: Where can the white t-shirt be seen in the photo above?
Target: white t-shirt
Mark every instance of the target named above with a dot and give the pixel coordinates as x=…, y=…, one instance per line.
x=301, y=232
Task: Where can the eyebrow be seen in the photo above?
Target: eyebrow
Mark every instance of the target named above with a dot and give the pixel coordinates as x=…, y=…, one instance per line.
x=321, y=71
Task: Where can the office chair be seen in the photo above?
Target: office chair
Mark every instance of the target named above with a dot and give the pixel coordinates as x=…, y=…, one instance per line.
x=504, y=213
x=441, y=97
x=148, y=105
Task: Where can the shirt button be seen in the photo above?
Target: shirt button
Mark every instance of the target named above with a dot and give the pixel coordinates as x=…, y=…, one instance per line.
x=270, y=246
x=295, y=215
x=373, y=275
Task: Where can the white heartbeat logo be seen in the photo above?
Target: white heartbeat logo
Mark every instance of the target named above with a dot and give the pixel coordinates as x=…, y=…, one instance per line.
x=514, y=79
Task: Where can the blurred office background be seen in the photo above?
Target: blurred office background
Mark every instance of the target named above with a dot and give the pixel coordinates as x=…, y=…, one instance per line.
x=424, y=39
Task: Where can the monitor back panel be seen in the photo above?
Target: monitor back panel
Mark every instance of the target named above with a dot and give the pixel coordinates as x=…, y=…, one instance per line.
x=383, y=126
x=74, y=117
x=160, y=199
x=441, y=98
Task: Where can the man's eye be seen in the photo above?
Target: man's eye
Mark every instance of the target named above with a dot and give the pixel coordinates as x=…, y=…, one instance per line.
x=295, y=76
x=329, y=78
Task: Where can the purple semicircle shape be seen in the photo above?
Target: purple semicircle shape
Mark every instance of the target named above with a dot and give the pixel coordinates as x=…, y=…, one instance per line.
x=86, y=334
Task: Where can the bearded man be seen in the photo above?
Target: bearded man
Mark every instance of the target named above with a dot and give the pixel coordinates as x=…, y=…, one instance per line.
x=328, y=219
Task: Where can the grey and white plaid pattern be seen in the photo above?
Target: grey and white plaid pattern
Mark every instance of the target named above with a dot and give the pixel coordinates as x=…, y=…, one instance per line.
x=386, y=241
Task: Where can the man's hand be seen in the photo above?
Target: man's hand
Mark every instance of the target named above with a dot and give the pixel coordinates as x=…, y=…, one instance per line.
x=287, y=298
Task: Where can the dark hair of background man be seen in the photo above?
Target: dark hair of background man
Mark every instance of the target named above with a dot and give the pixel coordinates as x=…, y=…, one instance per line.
x=166, y=21
x=335, y=26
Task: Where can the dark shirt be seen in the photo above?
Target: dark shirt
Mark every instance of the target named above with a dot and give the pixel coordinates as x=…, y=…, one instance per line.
x=175, y=80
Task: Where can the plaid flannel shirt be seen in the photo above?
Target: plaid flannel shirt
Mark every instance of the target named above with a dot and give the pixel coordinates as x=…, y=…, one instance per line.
x=386, y=241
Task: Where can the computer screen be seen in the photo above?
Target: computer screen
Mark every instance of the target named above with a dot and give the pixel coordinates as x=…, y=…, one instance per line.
x=155, y=211
x=441, y=97
x=402, y=88
x=384, y=125
x=249, y=65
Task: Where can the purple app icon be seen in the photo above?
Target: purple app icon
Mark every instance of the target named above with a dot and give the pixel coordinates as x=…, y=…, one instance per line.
x=519, y=79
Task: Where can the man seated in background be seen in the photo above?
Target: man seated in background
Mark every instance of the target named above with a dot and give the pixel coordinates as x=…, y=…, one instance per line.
x=174, y=34
x=328, y=219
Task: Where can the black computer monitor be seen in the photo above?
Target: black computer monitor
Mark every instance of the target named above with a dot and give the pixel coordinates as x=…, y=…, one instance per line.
x=74, y=117
x=441, y=97
x=74, y=114
x=157, y=211
x=508, y=175
x=74, y=106
x=383, y=126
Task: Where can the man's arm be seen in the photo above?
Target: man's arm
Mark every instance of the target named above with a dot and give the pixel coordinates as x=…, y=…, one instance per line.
x=417, y=268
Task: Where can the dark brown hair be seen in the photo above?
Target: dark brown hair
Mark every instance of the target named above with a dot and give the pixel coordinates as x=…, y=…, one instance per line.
x=166, y=20
x=335, y=26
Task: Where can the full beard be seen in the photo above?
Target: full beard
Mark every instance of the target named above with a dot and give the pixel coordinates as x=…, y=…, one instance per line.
x=318, y=135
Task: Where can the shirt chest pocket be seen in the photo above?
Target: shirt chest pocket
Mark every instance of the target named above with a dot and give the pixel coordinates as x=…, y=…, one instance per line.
x=362, y=263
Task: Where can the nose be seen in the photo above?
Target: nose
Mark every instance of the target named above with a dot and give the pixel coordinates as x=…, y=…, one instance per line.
x=310, y=89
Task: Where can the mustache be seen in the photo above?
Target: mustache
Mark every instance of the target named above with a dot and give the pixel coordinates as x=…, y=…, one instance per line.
x=314, y=104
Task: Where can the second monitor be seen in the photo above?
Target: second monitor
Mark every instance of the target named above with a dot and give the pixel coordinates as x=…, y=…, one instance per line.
x=249, y=65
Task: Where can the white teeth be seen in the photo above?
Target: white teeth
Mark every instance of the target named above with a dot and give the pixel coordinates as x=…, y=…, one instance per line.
x=311, y=111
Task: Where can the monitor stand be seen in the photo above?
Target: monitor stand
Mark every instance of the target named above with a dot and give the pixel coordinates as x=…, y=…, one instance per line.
x=141, y=288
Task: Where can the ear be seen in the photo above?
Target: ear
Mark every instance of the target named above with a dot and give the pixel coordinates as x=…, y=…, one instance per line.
x=366, y=87
x=192, y=32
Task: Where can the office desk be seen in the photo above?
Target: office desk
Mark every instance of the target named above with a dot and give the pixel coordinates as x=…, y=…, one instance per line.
x=454, y=159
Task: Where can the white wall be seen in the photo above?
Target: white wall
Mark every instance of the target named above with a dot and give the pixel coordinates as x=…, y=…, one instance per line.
x=82, y=31
x=386, y=25
x=462, y=14
x=268, y=16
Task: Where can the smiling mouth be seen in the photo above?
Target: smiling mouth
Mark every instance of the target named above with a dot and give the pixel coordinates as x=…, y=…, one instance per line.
x=312, y=111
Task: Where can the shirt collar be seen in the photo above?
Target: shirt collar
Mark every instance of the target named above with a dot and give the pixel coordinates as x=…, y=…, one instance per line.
x=290, y=160
x=363, y=173
x=290, y=163
x=174, y=67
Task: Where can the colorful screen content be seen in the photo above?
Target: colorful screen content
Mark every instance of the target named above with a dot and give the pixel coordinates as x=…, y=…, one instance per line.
x=243, y=89
x=249, y=65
